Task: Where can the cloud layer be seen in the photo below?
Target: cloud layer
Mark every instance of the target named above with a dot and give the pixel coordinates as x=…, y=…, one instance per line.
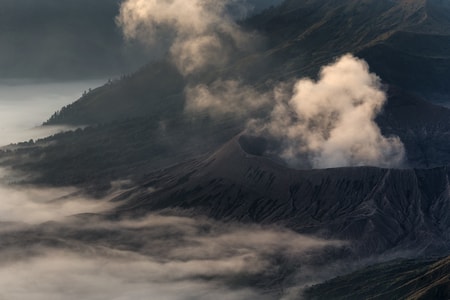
x=160, y=257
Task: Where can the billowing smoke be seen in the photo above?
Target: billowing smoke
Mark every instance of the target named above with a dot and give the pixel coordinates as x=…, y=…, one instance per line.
x=197, y=33
x=331, y=121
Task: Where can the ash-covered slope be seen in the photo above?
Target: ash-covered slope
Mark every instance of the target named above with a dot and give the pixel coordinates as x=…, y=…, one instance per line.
x=376, y=209
x=412, y=279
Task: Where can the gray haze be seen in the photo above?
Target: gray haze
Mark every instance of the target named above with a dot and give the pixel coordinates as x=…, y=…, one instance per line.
x=68, y=39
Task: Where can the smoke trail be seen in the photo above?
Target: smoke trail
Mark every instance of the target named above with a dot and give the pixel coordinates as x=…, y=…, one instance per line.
x=198, y=33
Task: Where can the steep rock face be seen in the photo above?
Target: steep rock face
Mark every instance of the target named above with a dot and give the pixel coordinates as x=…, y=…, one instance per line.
x=376, y=209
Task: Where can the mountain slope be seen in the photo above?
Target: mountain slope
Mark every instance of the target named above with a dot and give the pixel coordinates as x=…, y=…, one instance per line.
x=96, y=155
x=156, y=90
x=415, y=279
x=405, y=42
x=376, y=209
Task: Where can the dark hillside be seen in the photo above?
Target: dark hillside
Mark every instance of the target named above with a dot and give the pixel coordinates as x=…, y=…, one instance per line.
x=155, y=91
x=377, y=210
x=414, y=279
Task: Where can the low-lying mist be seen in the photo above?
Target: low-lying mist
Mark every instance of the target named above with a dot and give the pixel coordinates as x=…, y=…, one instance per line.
x=25, y=105
x=61, y=244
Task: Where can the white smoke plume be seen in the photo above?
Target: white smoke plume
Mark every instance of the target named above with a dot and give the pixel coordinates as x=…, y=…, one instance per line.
x=198, y=33
x=320, y=124
x=331, y=121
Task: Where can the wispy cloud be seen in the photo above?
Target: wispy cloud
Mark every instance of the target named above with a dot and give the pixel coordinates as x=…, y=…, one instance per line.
x=163, y=255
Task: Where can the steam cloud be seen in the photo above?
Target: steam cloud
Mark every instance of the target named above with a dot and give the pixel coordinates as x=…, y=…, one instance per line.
x=325, y=123
x=331, y=121
x=197, y=33
x=319, y=124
